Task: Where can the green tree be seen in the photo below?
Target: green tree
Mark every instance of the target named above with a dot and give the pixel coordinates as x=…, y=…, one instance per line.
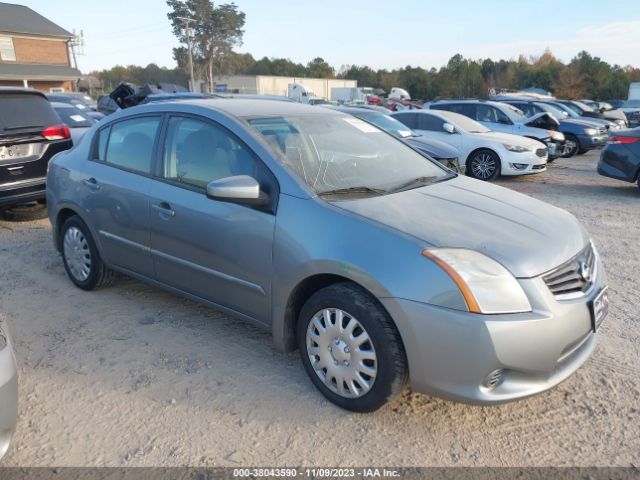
x=216, y=31
x=319, y=68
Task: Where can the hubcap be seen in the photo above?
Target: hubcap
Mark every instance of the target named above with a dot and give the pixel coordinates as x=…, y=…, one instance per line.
x=77, y=254
x=483, y=165
x=341, y=353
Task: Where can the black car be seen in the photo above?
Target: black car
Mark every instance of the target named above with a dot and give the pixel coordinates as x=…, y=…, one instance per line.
x=620, y=159
x=31, y=132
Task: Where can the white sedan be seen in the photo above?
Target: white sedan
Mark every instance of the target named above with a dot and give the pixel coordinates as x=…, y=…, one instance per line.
x=485, y=154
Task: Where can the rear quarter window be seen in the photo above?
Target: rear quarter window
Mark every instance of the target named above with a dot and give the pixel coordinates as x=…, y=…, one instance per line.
x=27, y=112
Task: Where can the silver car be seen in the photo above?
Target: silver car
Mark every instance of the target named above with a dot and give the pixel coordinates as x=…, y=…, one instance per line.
x=379, y=265
x=8, y=389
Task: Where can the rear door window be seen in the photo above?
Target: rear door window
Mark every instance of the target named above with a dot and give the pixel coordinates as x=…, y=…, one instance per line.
x=430, y=122
x=409, y=119
x=129, y=144
x=28, y=112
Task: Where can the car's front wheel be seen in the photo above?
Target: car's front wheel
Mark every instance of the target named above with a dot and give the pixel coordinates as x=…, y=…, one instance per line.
x=350, y=348
x=81, y=258
x=573, y=145
x=483, y=165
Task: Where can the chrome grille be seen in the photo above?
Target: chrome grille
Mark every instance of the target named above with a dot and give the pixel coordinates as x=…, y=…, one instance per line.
x=602, y=131
x=575, y=277
x=541, y=152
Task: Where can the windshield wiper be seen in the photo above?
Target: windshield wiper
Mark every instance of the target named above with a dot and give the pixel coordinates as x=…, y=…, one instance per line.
x=415, y=183
x=354, y=190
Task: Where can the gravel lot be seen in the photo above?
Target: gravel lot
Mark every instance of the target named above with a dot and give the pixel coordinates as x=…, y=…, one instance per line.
x=134, y=376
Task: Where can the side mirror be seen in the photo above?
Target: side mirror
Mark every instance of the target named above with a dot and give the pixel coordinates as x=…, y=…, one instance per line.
x=449, y=128
x=238, y=189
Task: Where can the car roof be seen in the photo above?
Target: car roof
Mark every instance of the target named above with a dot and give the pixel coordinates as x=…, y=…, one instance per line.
x=240, y=107
x=22, y=90
x=471, y=100
x=354, y=110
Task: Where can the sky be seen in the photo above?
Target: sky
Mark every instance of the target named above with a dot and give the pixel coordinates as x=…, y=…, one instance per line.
x=380, y=34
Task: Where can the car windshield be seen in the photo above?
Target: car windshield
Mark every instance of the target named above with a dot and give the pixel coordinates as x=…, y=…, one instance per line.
x=631, y=104
x=572, y=113
x=515, y=114
x=388, y=124
x=74, y=117
x=581, y=106
x=555, y=111
x=337, y=154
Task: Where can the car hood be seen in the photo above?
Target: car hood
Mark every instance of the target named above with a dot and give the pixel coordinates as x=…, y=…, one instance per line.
x=435, y=148
x=582, y=123
x=527, y=236
x=510, y=138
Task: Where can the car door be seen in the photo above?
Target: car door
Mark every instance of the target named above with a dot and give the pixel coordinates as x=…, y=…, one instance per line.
x=215, y=250
x=115, y=191
x=432, y=126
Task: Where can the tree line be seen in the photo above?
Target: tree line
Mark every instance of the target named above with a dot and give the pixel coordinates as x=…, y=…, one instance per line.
x=585, y=76
x=217, y=30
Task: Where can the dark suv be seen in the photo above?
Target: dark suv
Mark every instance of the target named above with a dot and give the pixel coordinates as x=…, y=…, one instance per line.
x=30, y=134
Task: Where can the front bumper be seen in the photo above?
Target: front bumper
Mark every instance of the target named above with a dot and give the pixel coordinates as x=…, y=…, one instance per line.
x=589, y=142
x=522, y=163
x=8, y=393
x=451, y=353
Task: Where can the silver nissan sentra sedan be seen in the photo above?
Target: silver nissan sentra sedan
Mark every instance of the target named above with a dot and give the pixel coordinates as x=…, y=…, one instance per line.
x=378, y=264
x=8, y=389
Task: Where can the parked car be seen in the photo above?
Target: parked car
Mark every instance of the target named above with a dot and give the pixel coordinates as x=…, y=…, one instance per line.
x=77, y=120
x=78, y=101
x=301, y=201
x=8, y=389
x=616, y=116
x=485, y=154
x=444, y=153
x=501, y=117
x=571, y=113
x=77, y=98
x=107, y=105
x=620, y=159
x=31, y=132
x=631, y=109
x=581, y=135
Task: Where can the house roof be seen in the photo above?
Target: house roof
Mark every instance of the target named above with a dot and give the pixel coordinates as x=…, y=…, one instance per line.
x=22, y=71
x=21, y=19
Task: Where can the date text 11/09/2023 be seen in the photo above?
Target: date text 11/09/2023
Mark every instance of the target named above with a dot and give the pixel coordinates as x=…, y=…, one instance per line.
x=316, y=472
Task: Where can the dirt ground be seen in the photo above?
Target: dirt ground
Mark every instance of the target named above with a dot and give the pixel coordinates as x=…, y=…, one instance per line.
x=134, y=376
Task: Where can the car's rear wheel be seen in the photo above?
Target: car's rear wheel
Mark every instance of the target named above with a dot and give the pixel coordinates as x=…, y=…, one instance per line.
x=81, y=258
x=350, y=348
x=24, y=212
x=483, y=165
x=574, y=145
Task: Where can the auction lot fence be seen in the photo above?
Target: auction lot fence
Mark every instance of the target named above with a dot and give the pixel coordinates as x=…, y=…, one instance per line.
x=449, y=473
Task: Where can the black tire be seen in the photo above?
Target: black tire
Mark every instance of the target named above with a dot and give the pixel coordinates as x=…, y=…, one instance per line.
x=99, y=275
x=576, y=145
x=391, y=364
x=25, y=213
x=485, y=157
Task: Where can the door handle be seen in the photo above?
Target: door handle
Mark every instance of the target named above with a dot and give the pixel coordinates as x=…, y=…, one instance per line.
x=164, y=209
x=92, y=183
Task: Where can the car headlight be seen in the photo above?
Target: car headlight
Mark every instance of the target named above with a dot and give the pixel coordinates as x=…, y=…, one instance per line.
x=515, y=148
x=590, y=131
x=555, y=135
x=486, y=286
